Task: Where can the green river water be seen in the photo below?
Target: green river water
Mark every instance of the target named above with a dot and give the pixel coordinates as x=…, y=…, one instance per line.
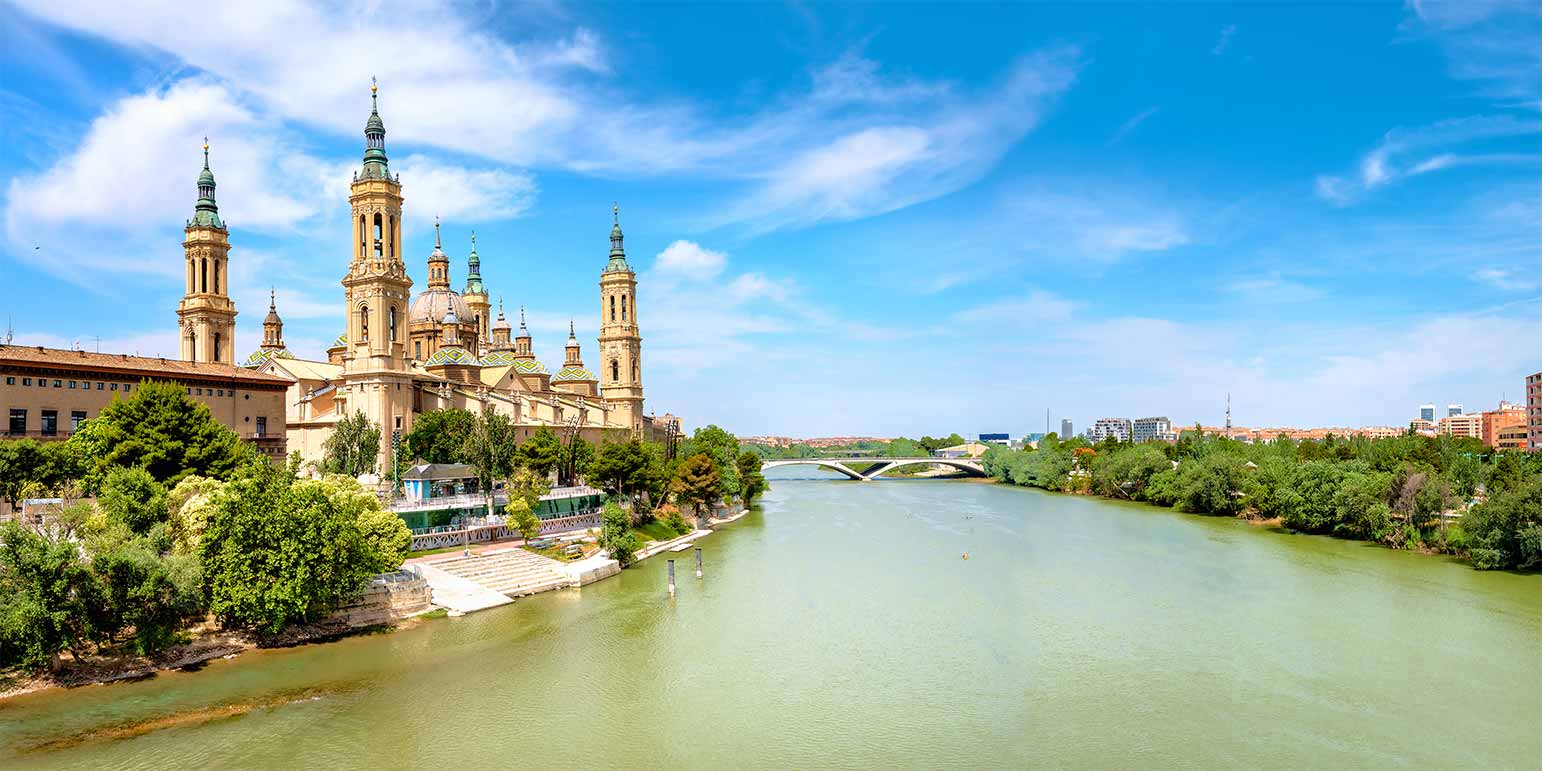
x=837, y=625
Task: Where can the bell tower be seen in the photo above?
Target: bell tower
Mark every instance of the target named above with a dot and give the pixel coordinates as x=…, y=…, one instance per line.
x=620, y=341
x=272, y=326
x=377, y=288
x=206, y=315
x=476, y=296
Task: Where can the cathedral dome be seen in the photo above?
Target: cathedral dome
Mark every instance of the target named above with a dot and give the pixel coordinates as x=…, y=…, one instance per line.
x=262, y=355
x=452, y=354
x=530, y=367
x=499, y=359
x=433, y=304
x=573, y=375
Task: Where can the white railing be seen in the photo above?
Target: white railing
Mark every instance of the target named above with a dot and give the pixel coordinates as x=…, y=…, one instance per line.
x=500, y=498
x=484, y=529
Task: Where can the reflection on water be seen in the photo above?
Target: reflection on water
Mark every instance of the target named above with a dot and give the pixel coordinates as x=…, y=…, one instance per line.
x=838, y=626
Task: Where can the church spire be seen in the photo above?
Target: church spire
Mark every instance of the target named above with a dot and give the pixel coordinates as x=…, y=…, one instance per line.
x=474, y=270
x=206, y=212
x=375, y=165
x=617, y=253
x=438, y=263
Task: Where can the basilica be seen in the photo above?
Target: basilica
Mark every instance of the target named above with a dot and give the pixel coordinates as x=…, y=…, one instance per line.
x=401, y=354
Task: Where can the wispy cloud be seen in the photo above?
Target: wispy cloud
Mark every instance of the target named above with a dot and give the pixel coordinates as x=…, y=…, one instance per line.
x=1129, y=125
x=1224, y=41
x=1405, y=152
x=1490, y=42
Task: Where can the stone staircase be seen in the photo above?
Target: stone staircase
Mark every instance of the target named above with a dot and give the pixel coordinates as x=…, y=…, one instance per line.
x=512, y=572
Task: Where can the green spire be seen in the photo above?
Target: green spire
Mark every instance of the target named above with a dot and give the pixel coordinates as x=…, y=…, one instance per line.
x=375, y=166
x=617, y=254
x=206, y=213
x=474, y=270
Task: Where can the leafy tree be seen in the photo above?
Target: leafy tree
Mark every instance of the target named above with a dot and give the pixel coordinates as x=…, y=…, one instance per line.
x=616, y=536
x=1211, y=485
x=22, y=463
x=1506, y=531
x=621, y=468
x=387, y=535
x=699, y=484
x=541, y=452
x=279, y=551
x=48, y=599
x=147, y=593
x=523, y=519
x=439, y=436
x=353, y=447
x=751, y=482
x=133, y=497
x=723, y=448
x=525, y=489
x=490, y=449
x=574, y=462
x=189, y=506
x=160, y=430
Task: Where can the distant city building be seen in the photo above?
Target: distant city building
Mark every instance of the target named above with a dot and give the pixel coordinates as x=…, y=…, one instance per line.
x=1422, y=426
x=1496, y=420
x=1534, y=410
x=1461, y=425
x=1153, y=430
x=1427, y=413
x=1511, y=438
x=1118, y=428
x=1003, y=439
x=965, y=450
x=1453, y=409
x=1066, y=432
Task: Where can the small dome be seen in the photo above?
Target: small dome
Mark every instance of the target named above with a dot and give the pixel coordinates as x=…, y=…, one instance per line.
x=341, y=341
x=433, y=304
x=453, y=354
x=449, y=318
x=499, y=359
x=530, y=367
x=262, y=355
x=501, y=323
x=572, y=375
x=206, y=179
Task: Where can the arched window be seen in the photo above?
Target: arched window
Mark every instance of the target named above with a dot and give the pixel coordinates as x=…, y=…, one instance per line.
x=417, y=349
x=215, y=354
x=612, y=307
x=391, y=236
x=379, y=237
x=615, y=371
x=364, y=323
x=217, y=277
x=623, y=307
x=203, y=275
x=392, y=317
x=634, y=370
x=192, y=345
x=192, y=278
x=363, y=236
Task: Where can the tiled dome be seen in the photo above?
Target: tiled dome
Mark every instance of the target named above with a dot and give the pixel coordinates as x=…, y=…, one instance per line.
x=452, y=355
x=572, y=374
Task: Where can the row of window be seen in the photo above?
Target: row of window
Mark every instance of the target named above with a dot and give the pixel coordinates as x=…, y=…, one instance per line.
x=230, y=392
x=49, y=426
x=42, y=382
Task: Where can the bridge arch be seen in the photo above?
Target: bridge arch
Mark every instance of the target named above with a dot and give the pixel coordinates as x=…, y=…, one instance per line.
x=971, y=466
x=820, y=462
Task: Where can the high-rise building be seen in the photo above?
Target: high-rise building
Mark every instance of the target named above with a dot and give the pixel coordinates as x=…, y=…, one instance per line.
x=1453, y=409
x=1153, y=430
x=1118, y=428
x=1498, y=420
x=1066, y=431
x=1427, y=412
x=1534, y=410
x=1461, y=425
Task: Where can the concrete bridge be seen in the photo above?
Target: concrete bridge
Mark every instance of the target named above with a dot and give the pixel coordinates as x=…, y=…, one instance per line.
x=970, y=466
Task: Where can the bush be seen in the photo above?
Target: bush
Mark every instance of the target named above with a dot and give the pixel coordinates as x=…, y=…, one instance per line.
x=132, y=497
x=616, y=536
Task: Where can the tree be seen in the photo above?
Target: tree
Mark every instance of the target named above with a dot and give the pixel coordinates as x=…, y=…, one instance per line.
x=751, y=482
x=616, y=536
x=490, y=449
x=189, y=506
x=439, y=436
x=133, y=497
x=525, y=489
x=145, y=592
x=353, y=447
x=723, y=448
x=48, y=599
x=541, y=452
x=577, y=454
x=278, y=550
x=1505, y=532
x=387, y=535
x=621, y=469
x=22, y=463
x=160, y=430
x=698, y=484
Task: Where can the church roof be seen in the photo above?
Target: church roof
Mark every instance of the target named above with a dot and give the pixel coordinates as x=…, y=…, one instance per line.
x=341, y=340
x=530, y=367
x=498, y=358
x=433, y=304
x=572, y=374
x=263, y=354
x=136, y=367
x=452, y=354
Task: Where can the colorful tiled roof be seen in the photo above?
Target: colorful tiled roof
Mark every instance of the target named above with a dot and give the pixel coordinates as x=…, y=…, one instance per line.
x=263, y=354
x=530, y=367
x=452, y=355
x=498, y=358
x=567, y=374
x=342, y=340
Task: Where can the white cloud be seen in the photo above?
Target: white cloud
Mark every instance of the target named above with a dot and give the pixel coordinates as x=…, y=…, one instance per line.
x=1225, y=40
x=755, y=286
x=1097, y=226
x=1035, y=307
x=1508, y=280
x=690, y=261
x=1490, y=42
x=458, y=194
x=1130, y=125
x=1405, y=152
x=1272, y=289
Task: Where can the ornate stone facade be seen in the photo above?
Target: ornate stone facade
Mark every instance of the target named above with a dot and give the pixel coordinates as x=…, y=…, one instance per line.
x=206, y=317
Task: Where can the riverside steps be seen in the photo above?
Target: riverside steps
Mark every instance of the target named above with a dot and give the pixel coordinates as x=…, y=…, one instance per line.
x=511, y=572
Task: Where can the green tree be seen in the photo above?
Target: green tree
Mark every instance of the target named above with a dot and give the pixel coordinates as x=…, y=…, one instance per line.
x=353, y=447
x=160, y=430
x=439, y=436
x=616, y=536
x=48, y=599
x=577, y=454
x=279, y=551
x=698, y=484
x=133, y=497
x=189, y=506
x=1505, y=532
x=751, y=482
x=387, y=535
x=147, y=593
x=621, y=469
x=1211, y=484
x=490, y=449
x=723, y=448
x=541, y=452
x=22, y=463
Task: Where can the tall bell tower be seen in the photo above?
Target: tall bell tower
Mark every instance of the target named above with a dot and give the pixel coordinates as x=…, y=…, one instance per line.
x=620, y=341
x=206, y=315
x=377, y=289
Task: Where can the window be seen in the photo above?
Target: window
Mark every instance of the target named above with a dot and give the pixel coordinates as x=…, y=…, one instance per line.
x=634, y=370
x=364, y=323
x=615, y=371
x=205, y=276
x=612, y=307
x=219, y=392
x=128, y=386
x=216, y=276
x=99, y=386
x=623, y=307
x=42, y=383
x=76, y=418
x=114, y=387
x=72, y=384
x=417, y=350
x=215, y=354
x=262, y=426
x=18, y=421
x=392, y=316
x=26, y=381
x=10, y=381
x=57, y=385
x=50, y=422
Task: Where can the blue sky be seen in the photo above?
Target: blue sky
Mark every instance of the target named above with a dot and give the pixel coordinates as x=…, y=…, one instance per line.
x=846, y=219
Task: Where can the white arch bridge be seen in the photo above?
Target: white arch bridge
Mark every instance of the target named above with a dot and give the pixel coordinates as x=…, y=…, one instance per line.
x=970, y=466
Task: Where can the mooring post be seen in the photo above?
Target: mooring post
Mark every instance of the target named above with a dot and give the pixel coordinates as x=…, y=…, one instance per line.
x=671, y=578
x=698, y=562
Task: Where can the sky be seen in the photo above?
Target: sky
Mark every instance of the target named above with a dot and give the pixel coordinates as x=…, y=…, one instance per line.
x=845, y=218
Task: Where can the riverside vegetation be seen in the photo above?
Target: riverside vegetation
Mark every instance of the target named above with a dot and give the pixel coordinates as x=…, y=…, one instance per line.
x=1438, y=494
x=178, y=525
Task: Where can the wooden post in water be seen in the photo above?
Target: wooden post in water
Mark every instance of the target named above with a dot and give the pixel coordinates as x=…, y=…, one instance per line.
x=698, y=562
x=671, y=578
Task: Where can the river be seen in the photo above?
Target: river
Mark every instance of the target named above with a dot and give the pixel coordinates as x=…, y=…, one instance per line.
x=839, y=625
